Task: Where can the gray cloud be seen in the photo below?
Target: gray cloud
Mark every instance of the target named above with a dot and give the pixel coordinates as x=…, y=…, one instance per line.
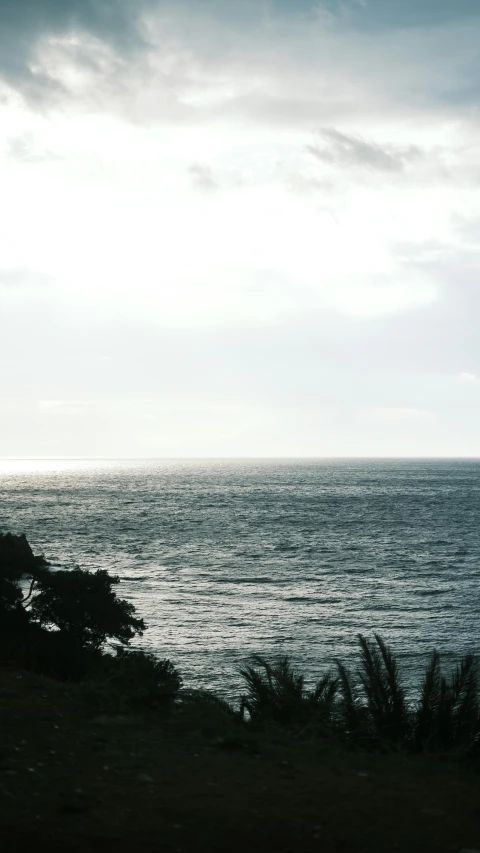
x=391, y=14
x=23, y=148
x=271, y=64
x=202, y=177
x=351, y=150
x=23, y=23
x=150, y=59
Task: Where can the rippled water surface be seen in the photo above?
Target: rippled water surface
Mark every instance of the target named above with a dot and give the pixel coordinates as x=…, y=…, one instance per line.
x=226, y=558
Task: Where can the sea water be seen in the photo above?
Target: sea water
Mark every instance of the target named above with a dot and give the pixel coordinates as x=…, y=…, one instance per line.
x=224, y=558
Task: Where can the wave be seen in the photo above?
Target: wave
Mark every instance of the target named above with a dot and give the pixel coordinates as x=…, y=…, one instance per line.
x=285, y=546
x=428, y=592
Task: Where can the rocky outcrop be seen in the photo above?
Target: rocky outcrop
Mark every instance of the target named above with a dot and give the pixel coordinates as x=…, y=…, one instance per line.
x=16, y=554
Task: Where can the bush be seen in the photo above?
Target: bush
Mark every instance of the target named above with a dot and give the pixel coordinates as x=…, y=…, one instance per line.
x=47, y=653
x=370, y=710
x=351, y=713
x=448, y=712
x=134, y=679
x=276, y=693
x=384, y=694
x=201, y=711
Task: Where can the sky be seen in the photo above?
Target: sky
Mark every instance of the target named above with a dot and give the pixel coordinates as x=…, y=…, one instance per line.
x=239, y=228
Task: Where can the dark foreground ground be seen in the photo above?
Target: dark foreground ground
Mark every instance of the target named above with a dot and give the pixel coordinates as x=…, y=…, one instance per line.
x=72, y=778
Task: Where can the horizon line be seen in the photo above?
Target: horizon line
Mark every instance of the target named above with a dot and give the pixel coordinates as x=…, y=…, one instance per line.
x=214, y=458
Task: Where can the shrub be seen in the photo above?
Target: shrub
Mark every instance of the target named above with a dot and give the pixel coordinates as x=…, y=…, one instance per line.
x=49, y=653
x=448, y=712
x=370, y=711
x=352, y=715
x=277, y=693
x=201, y=711
x=385, y=696
x=135, y=678
x=274, y=691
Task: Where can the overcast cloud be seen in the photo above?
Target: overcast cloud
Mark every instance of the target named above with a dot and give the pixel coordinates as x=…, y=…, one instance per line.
x=239, y=228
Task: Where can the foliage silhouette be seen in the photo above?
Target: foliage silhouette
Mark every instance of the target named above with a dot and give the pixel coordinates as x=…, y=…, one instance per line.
x=351, y=713
x=448, y=712
x=370, y=711
x=80, y=604
x=141, y=676
x=131, y=679
x=83, y=606
x=384, y=694
x=58, y=621
x=426, y=722
x=16, y=562
x=274, y=691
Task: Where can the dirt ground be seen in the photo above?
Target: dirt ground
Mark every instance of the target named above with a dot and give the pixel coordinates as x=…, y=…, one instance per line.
x=72, y=778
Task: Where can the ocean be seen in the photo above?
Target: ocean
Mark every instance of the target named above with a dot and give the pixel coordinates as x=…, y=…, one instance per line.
x=223, y=558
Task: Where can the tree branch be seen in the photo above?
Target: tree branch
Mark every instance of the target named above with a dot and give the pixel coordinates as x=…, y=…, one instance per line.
x=25, y=598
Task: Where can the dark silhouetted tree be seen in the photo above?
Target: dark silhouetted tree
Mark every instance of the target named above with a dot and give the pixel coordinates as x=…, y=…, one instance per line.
x=17, y=562
x=83, y=606
x=79, y=605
